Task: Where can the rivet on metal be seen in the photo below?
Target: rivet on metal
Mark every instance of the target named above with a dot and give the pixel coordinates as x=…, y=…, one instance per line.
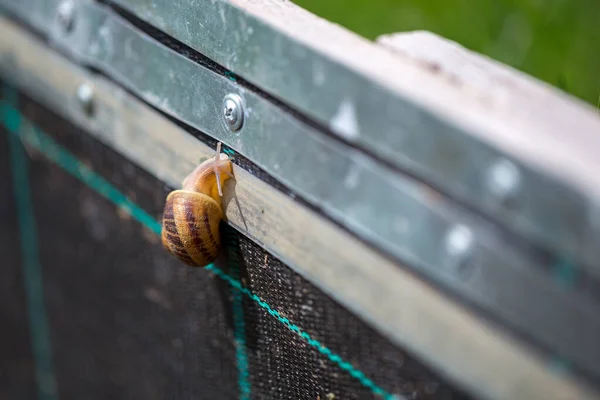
x=504, y=180
x=233, y=111
x=66, y=15
x=459, y=242
x=85, y=97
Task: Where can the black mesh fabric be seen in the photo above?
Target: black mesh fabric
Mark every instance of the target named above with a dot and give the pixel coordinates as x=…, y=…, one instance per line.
x=17, y=378
x=126, y=320
x=129, y=321
x=283, y=365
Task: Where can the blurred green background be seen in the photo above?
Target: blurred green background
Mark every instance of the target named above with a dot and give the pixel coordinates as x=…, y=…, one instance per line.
x=557, y=41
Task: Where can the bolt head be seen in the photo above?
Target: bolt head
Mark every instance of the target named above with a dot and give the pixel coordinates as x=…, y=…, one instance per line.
x=504, y=180
x=66, y=15
x=459, y=242
x=233, y=111
x=85, y=97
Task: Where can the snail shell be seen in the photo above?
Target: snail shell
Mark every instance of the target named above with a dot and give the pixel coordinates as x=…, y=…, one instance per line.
x=191, y=217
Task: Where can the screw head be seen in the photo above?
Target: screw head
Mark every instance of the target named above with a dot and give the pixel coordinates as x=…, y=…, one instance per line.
x=233, y=111
x=504, y=180
x=459, y=242
x=66, y=15
x=85, y=97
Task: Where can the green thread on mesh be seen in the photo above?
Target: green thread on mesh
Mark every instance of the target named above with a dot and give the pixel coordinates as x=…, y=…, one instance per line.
x=238, y=321
x=231, y=76
x=64, y=159
x=32, y=269
x=336, y=359
x=560, y=365
x=565, y=272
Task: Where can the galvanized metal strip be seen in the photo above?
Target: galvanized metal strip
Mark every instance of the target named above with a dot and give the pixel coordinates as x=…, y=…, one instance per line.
x=31, y=11
x=451, y=339
x=403, y=217
x=413, y=116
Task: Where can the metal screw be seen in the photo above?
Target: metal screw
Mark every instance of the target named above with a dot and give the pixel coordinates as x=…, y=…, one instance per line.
x=459, y=242
x=66, y=14
x=233, y=111
x=85, y=97
x=504, y=180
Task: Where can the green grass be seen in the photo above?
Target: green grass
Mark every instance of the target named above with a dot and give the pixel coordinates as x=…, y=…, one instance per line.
x=557, y=41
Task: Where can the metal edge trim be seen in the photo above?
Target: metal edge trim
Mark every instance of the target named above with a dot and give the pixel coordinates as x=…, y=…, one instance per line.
x=409, y=114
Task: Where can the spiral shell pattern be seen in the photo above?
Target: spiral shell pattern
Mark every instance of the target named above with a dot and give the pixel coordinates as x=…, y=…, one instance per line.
x=190, y=227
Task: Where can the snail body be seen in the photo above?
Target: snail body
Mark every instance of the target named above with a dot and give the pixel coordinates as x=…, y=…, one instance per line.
x=191, y=217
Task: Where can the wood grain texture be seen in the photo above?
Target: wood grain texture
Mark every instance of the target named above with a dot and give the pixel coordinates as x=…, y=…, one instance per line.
x=443, y=334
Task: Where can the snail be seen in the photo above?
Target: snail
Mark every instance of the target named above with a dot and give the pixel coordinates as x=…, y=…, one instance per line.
x=191, y=217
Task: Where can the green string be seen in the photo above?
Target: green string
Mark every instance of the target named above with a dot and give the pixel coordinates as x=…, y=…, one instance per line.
x=32, y=270
x=64, y=159
x=565, y=272
x=238, y=318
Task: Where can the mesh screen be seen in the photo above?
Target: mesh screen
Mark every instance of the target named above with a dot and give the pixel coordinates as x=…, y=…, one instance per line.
x=16, y=360
x=126, y=320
